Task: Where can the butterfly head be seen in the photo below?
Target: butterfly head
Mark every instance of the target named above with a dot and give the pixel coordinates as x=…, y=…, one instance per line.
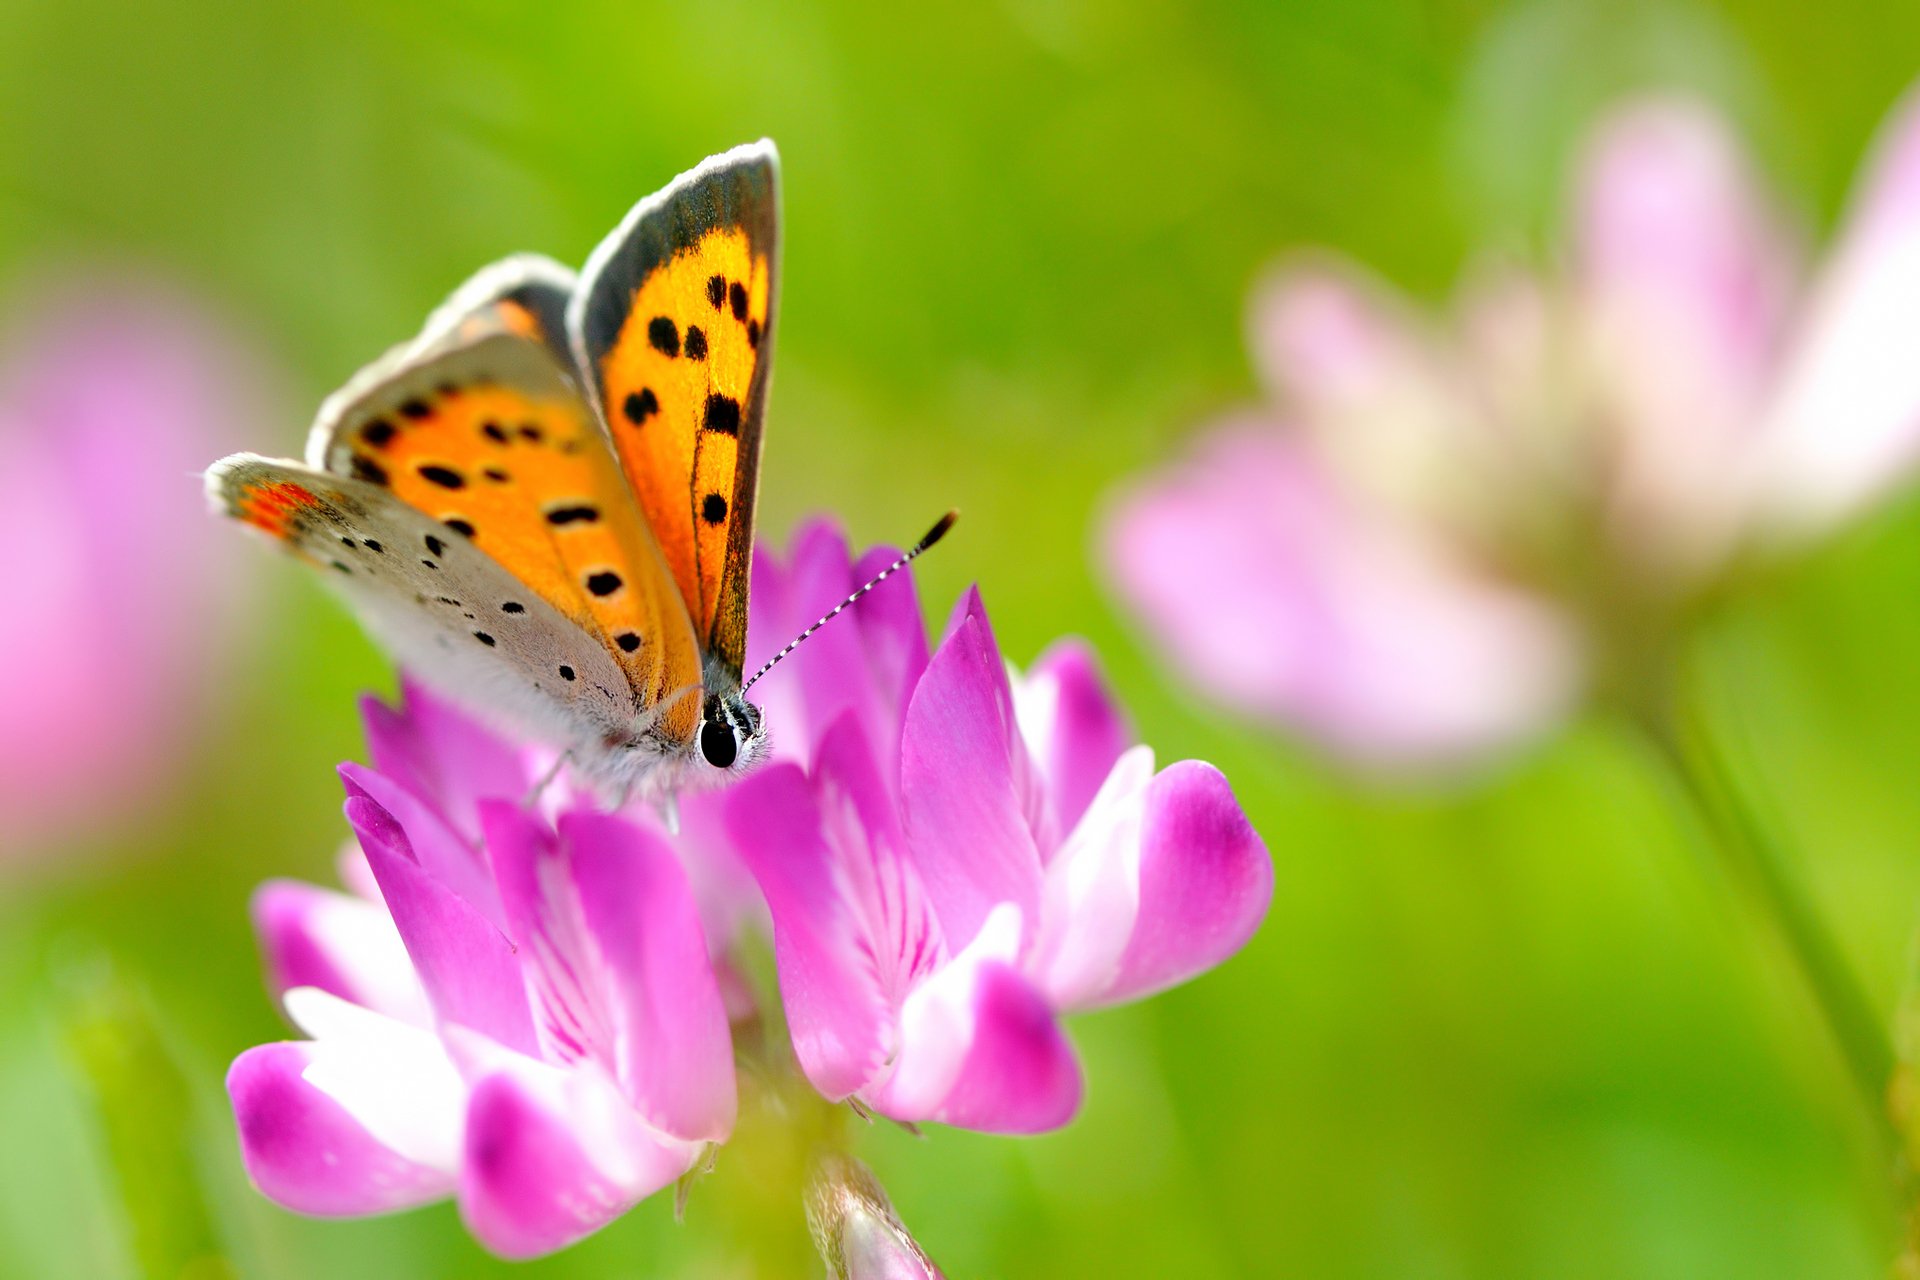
x=732, y=734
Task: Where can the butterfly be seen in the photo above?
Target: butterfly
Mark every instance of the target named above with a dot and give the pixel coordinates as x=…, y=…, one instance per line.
x=544, y=503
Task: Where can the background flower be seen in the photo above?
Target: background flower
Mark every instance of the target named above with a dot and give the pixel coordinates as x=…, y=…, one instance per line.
x=124, y=600
x=1424, y=549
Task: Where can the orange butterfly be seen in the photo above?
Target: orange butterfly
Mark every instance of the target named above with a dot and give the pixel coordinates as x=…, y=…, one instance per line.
x=544, y=503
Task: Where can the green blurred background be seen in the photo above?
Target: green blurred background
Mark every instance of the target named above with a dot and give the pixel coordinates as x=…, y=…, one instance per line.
x=1518, y=1031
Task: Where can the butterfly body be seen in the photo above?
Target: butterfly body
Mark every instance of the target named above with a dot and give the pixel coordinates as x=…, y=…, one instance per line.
x=580, y=574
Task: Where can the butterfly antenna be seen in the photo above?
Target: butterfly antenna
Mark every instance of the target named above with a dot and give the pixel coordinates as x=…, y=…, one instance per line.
x=933, y=535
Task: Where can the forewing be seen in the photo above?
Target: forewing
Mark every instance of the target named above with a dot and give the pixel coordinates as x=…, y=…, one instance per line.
x=478, y=428
x=672, y=328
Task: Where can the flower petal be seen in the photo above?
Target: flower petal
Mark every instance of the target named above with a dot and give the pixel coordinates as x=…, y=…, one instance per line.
x=1205, y=882
x=552, y=1155
x=438, y=752
x=831, y=669
x=468, y=969
x=1162, y=880
x=1684, y=280
x=306, y=1151
x=673, y=1053
x=450, y=858
x=1281, y=594
x=966, y=783
x=1846, y=424
x=1092, y=894
x=314, y=937
x=1369, y=389
x=1072, y=726
x=570, y=986
x=979, y=1047
x=893, y=629
x=836, y=1010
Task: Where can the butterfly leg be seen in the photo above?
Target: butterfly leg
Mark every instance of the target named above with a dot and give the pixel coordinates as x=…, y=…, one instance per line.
x=669, y=806
x=532, y=799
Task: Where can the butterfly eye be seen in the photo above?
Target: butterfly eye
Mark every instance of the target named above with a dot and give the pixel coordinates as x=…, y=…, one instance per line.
x=717, y=745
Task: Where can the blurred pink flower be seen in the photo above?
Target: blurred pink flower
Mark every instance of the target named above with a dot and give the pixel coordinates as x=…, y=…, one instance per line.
x=1424, y=548
x=952, y=859
x=110, y=398
x=516, y=1012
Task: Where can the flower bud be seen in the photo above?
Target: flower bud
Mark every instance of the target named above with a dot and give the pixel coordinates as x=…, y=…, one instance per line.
x=858, y=1233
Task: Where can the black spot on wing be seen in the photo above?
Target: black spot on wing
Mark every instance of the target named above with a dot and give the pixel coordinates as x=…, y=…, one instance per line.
x=722, y=415
x=445, y=477
x=604, y=582
x=664, y=335
x=640, y=405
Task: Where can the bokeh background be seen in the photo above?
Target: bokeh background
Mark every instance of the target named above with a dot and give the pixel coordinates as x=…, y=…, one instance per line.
x=1517, y=1029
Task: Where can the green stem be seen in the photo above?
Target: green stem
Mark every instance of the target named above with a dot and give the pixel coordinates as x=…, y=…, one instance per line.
x=1755, y=860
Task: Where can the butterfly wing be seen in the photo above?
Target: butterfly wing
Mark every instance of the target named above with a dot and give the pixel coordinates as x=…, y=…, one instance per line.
x=478, y=427
x=672, y=329
x=444, y=608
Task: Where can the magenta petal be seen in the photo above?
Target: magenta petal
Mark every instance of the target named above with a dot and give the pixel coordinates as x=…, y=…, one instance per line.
x=449, y=857
x=893, y=629
x=469, y=970
x=569, y=983
x=980, y=1047
x=673, y=1052
x=437, y=751
x=314, y=937
x=1205, y=882
x=552, y=1156
x=305, y=1151
x=1073, y=726
x=966, y=784
x=831, y=669
x=1020, y=1075
x=835, y=1007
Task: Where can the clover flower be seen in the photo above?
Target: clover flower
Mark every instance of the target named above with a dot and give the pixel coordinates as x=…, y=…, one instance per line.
x=514, y=1012
x=1435, y=539
x=964, y=857
x=523, y=1004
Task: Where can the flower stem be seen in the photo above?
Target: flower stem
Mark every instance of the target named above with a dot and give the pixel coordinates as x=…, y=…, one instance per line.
x=1754, y=859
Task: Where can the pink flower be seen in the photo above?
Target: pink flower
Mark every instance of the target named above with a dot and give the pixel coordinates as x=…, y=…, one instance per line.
x=1425, y=546
x=516, y=1012
x=953, y=858
x=122, y=590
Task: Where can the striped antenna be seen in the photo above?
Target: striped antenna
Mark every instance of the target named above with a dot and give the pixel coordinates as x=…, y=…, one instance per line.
x=934, y=535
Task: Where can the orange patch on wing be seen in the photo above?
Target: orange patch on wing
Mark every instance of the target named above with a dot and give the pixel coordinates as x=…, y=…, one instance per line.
x=677, y=383
x=270, y=507
x=529, y=481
